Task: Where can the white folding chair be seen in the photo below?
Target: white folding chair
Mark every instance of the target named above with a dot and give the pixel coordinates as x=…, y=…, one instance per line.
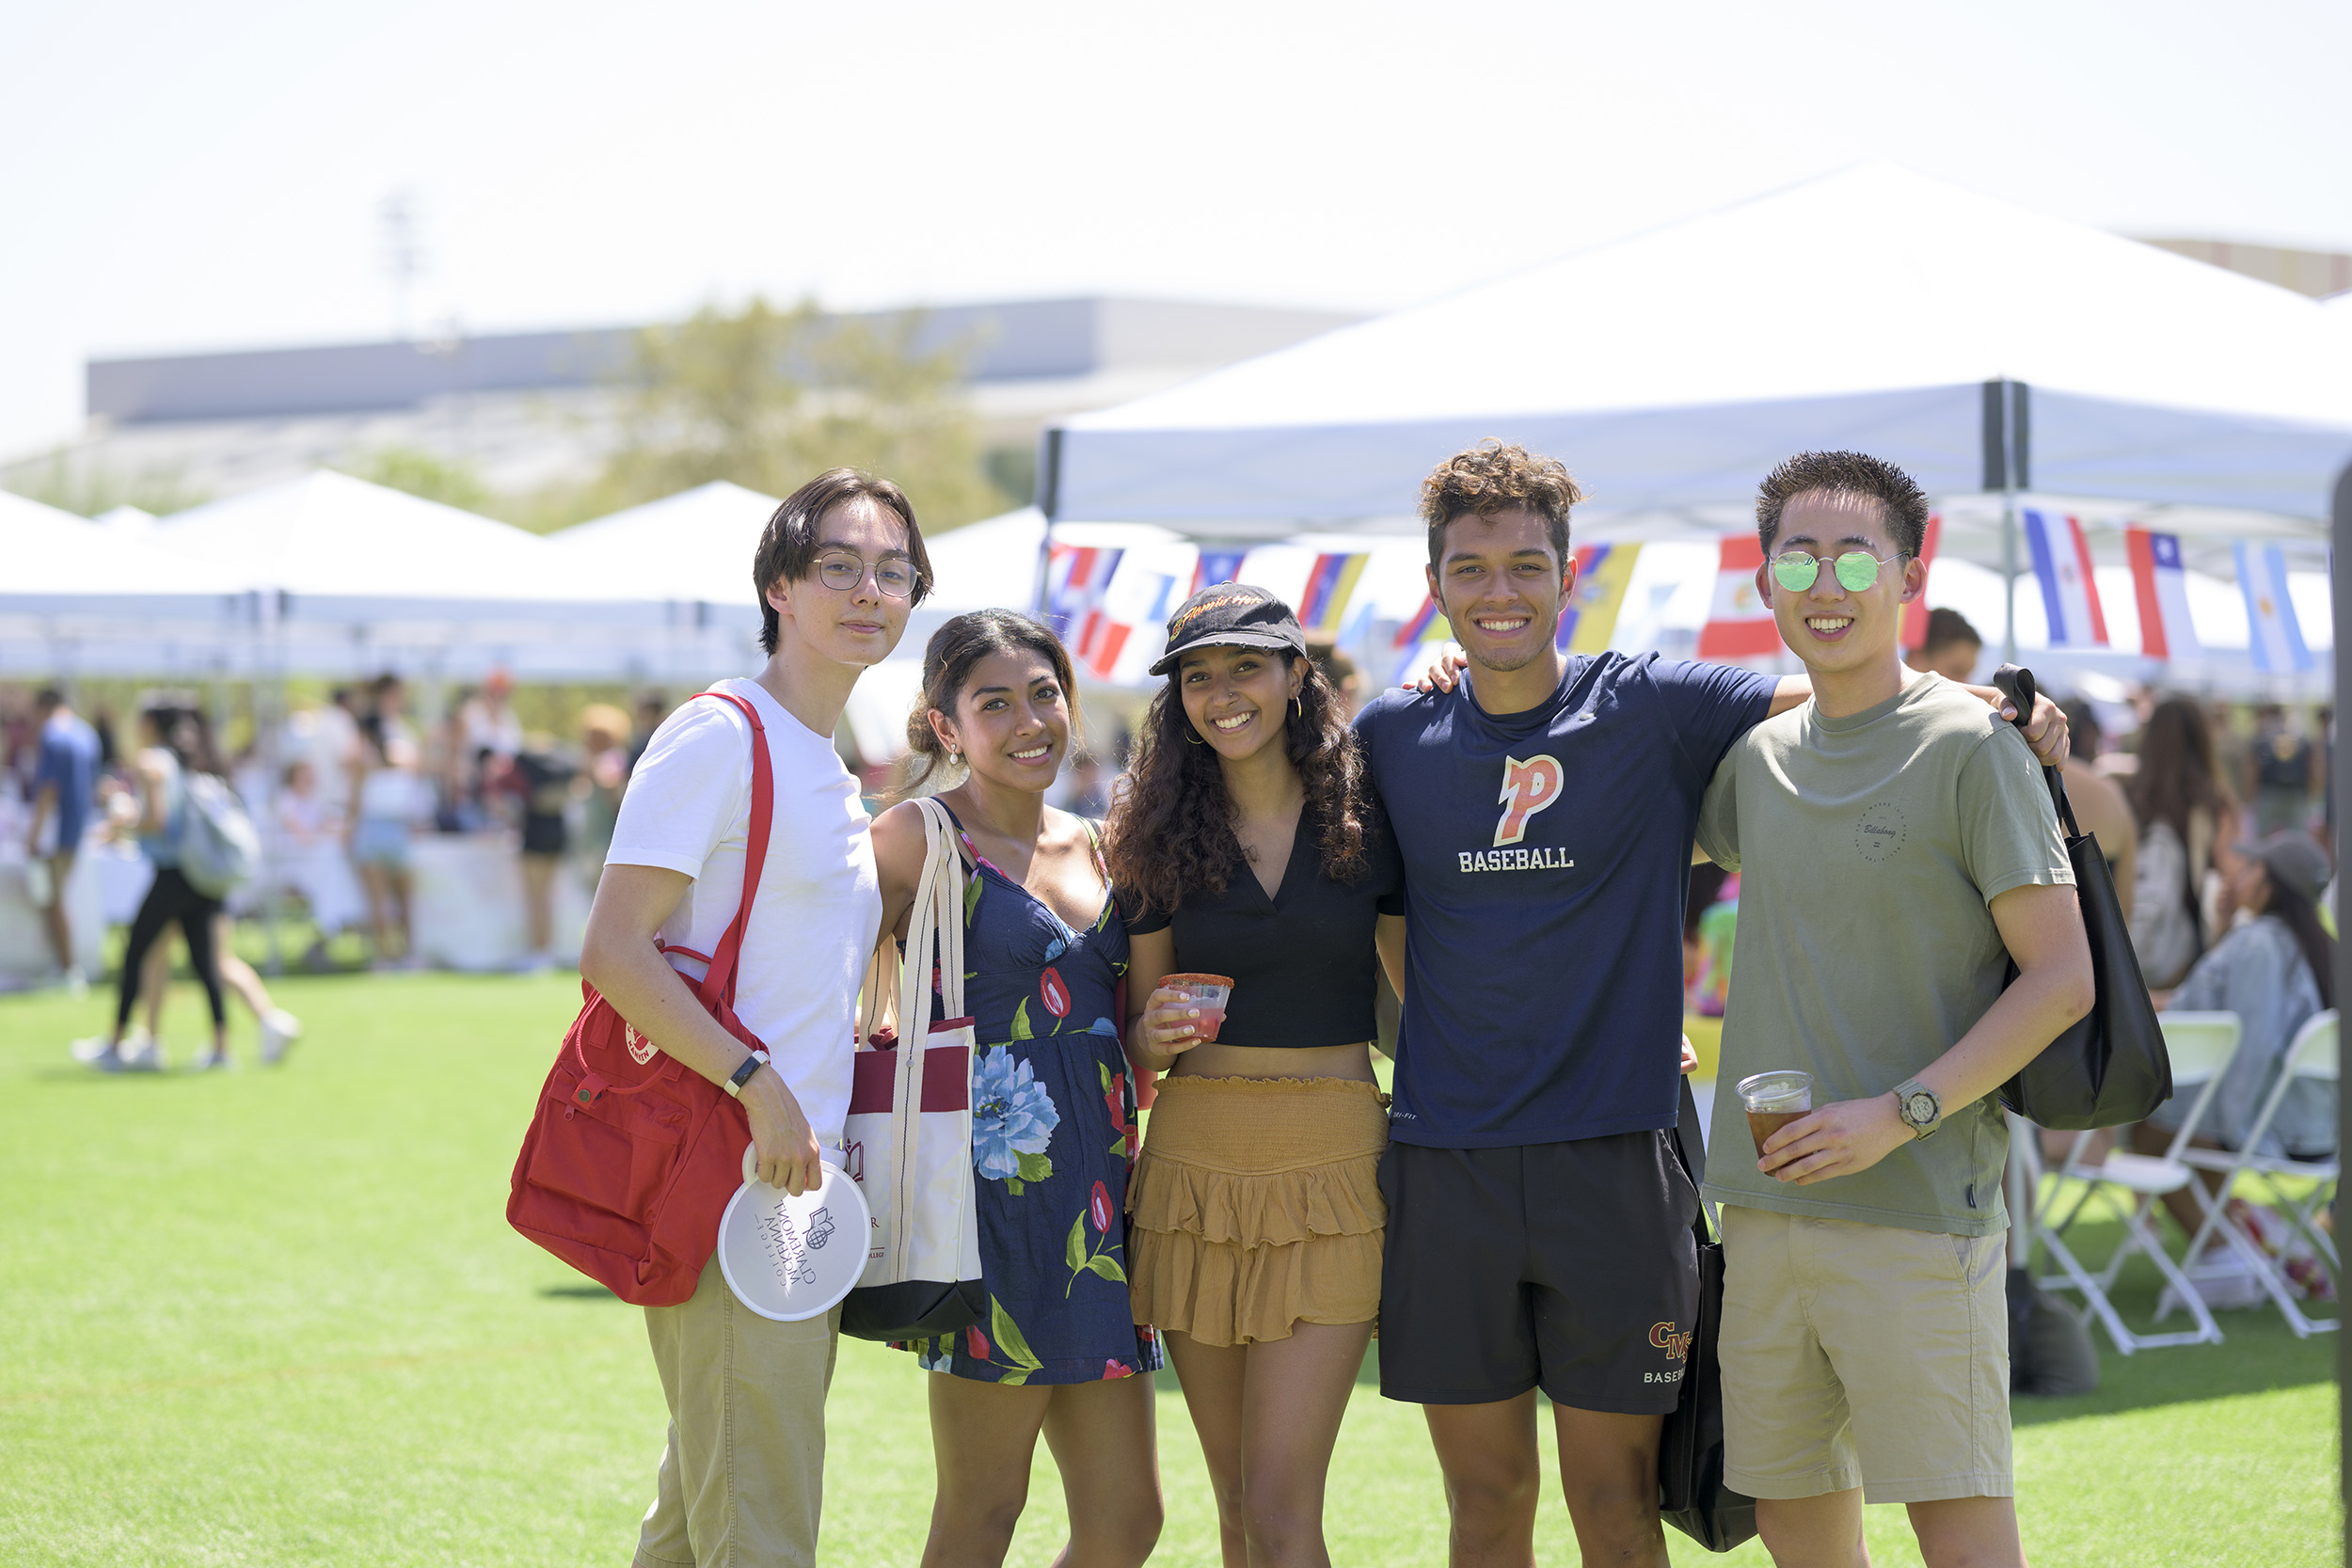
x=2298, y=1190
x=2201, y=1045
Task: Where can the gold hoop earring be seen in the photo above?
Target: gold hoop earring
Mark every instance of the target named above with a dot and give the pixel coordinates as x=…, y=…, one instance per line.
x=1195, y=739
x=1299, y=707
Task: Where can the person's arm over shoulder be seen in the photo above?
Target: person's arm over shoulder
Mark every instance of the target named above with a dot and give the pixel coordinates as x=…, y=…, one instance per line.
x=2009, y=828
x=689, y=788
x=1707, y=706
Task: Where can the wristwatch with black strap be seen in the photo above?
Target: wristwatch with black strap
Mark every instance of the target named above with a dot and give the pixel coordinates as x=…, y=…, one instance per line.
x=1920, y=1107
x=752, y=1063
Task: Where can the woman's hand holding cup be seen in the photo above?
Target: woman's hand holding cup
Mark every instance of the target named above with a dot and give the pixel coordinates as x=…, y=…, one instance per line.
x=1172, y=1020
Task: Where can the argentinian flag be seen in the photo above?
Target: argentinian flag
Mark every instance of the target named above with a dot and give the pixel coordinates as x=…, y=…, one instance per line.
x=2272, y=637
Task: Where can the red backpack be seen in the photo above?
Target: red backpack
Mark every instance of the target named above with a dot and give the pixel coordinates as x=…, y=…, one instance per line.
x=631, y=1156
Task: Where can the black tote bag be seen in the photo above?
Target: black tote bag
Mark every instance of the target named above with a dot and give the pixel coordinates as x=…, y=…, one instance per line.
x=2109, y=1067
x=1692, y=1495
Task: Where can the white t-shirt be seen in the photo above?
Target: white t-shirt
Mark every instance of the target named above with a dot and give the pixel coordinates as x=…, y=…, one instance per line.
x=687, y=809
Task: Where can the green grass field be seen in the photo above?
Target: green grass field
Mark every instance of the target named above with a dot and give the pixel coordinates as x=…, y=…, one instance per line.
x=277, y=1317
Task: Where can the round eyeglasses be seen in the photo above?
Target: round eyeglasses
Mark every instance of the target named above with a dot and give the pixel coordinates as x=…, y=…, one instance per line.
x=842, y=572
x=1858, y=570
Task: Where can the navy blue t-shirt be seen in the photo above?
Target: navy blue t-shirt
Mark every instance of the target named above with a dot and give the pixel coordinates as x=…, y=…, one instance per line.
x=1547, y=855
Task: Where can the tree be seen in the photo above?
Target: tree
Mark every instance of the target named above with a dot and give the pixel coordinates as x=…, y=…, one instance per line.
x=75, y=482
x=769, y=398
x=422, y=473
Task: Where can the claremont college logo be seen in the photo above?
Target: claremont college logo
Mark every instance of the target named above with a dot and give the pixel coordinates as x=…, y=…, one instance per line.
x=1528, y=788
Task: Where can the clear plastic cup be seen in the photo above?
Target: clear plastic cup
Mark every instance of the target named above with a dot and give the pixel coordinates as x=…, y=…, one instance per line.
x=1208, y=993
x=1773, y=1101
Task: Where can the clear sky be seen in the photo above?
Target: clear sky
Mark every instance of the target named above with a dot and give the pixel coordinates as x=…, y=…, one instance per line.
x=182, y=176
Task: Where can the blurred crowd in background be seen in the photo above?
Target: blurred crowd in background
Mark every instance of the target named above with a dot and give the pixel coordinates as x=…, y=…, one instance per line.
x=2179, y=790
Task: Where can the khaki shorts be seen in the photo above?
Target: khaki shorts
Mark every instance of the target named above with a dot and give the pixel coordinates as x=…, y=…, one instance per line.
x=1864, y=1355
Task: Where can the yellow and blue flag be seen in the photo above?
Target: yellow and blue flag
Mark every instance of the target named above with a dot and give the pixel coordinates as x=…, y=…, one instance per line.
x=1589, y=618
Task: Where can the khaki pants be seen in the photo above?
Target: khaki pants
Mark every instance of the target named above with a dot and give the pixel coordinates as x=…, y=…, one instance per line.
x=743, y=1475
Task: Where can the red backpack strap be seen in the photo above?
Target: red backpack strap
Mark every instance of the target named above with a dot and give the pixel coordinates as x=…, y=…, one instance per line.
x=718, y=984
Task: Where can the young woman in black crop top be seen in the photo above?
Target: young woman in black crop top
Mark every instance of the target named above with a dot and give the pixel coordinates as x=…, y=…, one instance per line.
x=1245, y=845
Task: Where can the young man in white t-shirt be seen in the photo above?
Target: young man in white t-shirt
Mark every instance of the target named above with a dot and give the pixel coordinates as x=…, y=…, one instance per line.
x=839, y=567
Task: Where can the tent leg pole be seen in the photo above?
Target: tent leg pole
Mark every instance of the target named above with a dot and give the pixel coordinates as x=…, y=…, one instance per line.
x=2009, y=576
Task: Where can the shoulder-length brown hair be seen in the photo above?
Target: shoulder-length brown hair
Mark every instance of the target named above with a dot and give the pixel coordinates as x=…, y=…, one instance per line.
x=2177, y=774
x=1171, y=829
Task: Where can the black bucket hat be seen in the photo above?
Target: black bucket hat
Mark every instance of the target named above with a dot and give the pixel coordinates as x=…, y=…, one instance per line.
x=1230, y=615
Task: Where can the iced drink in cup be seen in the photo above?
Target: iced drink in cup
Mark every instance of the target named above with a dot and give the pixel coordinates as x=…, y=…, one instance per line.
x=1773, y=1101
x=1207, y=992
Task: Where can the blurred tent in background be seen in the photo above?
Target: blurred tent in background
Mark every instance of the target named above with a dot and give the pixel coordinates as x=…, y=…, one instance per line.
x=2006, y=359
x=1868, y=308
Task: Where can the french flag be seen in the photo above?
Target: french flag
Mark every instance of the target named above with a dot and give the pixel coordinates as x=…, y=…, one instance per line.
x=1739, y=622
x=2070, y=594
x=2273, y=636
x=2162, y=591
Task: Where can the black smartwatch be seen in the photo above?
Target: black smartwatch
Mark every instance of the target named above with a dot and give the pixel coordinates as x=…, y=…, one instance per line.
x=752, y=1063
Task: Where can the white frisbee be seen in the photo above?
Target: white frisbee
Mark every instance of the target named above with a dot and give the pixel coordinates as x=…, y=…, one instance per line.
x=792, y=1258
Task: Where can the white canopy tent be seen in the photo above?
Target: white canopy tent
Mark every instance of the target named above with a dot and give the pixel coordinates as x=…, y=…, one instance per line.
x=345, y=576
x=1873, y=309
x=331, y=547
x=62, y=565
x=73, y=599
x=693, y=547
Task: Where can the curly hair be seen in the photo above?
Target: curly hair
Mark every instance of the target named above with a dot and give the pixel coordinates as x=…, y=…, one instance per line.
x=1171, y=829
x=1847, y=473
x=1495, y=476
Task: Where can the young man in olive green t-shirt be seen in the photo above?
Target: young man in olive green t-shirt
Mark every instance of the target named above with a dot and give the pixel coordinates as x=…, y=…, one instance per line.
x=1897, y=847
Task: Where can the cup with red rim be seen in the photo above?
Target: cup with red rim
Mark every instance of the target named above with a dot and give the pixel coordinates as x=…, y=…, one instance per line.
x=1209, y=993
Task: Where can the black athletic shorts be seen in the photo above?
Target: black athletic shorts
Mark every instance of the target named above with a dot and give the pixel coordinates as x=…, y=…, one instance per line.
x=1567, y=1267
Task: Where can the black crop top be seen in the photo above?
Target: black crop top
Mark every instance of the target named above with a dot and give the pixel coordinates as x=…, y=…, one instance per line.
x=1302, y=962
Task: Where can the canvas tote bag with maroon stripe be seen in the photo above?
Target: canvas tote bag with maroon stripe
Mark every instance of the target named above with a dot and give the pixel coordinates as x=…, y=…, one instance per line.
x=908, y=1141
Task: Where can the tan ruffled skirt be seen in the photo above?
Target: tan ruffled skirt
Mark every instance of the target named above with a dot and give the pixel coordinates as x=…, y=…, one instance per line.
x=1255, y=1206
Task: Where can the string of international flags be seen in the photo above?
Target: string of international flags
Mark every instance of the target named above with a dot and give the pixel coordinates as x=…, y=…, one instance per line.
x=1097, y=607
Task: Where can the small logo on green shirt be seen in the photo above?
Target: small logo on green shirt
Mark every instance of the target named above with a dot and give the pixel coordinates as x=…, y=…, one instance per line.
x=1881, y=832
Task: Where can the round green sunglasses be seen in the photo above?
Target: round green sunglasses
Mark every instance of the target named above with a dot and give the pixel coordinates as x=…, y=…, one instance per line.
x=1858, y=570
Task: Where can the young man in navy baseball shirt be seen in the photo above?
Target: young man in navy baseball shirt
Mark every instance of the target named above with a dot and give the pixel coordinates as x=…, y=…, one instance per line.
x=1539, y=1226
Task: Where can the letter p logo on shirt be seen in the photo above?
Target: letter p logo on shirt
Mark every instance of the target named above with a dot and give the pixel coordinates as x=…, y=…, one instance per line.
x=1528, y=788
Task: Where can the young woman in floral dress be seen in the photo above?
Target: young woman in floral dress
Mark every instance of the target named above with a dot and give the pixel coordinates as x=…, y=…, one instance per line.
x=1053, y=1116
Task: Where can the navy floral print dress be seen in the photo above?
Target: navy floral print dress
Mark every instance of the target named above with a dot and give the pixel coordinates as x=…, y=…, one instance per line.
x=1052, y=1136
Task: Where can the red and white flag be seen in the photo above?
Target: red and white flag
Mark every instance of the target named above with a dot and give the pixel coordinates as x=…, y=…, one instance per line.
x=2160, y=584
x=1740, y=624
x=2070, y=594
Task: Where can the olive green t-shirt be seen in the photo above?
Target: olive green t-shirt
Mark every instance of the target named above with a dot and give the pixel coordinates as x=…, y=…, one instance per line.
x=1869, y=848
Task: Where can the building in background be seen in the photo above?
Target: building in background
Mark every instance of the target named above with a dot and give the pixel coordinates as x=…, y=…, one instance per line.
x=522, y=410
x=2316, y=273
